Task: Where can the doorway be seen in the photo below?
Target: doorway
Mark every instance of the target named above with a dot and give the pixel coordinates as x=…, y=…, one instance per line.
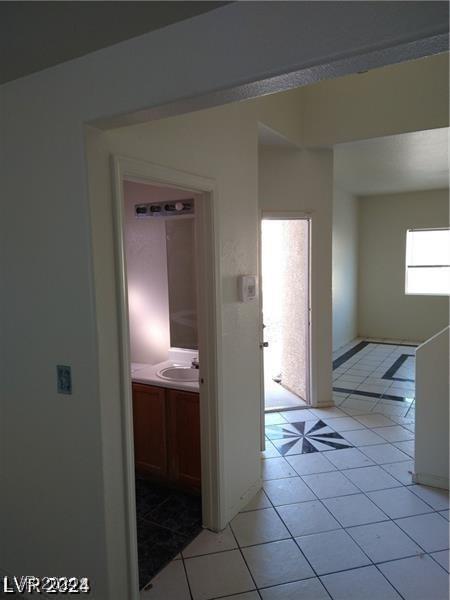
x=166, y=471
x=161, y=272
x=285, y=274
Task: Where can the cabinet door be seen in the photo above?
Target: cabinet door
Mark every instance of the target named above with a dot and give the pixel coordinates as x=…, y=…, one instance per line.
x=150, y=430
x=184, y=438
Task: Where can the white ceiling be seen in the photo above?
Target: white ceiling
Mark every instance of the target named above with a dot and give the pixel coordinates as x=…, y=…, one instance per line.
x=400, y=163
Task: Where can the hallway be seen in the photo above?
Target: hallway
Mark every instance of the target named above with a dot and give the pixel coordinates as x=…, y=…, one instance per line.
x=338, y=516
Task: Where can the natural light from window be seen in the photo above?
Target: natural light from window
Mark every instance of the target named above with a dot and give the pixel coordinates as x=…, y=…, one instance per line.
x=428, y=262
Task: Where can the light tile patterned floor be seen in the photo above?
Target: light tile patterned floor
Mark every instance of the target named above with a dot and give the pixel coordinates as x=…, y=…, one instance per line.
x=338, y=522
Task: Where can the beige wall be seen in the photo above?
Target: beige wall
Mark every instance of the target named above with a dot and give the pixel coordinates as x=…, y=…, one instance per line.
x=345, y=268
x=220, y=144
x=384, y=309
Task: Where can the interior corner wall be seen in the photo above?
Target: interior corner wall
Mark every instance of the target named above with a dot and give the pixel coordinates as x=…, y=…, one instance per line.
x=283, y=113
x=220, y=144
x=385, y=311
x=345, y=268
x=301, y=181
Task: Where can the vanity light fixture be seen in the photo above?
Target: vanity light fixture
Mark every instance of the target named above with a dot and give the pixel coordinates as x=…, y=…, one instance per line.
x=164, y=209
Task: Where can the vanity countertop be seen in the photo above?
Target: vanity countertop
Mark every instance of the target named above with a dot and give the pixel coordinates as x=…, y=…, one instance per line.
x=147, y=374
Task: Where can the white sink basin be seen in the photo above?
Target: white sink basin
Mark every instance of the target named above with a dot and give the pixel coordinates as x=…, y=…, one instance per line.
x=177, y=373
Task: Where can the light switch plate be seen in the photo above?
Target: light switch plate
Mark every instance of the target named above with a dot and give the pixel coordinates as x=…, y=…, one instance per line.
x=247, y=287
x=64, y=379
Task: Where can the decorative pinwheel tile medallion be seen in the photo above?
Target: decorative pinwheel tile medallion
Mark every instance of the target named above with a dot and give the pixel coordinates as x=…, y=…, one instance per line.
x=305, y=437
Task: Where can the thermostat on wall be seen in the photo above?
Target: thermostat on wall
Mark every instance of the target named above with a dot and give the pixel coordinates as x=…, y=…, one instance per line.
x=247, y=287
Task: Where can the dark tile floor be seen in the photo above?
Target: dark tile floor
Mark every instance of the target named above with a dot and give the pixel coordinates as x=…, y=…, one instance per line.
x=167, y=520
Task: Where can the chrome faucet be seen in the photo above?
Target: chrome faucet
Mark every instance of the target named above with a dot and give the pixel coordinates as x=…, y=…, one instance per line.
x=194, y=363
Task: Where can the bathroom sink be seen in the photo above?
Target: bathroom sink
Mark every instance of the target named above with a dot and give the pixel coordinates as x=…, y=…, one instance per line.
x=178, y=373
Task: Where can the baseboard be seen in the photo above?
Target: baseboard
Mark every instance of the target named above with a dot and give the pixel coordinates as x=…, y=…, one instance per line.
x=431, y=480
x=245, y=498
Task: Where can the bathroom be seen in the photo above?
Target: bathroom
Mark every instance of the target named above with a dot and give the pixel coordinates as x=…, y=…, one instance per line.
x=160, y=258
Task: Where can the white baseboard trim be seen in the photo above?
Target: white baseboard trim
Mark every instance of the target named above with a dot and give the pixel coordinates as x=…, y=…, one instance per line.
x=431, y=480
x=245, y=498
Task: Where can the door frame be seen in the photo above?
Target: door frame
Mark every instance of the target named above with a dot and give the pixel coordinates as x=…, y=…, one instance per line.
x=208, y=298
x=274, y=215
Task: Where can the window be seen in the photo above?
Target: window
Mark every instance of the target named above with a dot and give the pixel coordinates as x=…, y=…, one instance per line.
x=428, y=261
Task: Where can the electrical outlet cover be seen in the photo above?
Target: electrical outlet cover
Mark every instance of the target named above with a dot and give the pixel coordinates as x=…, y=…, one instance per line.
x=64, y=379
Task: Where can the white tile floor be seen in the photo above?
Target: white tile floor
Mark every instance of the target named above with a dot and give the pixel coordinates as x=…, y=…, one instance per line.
x=340, y=524
x=277, y=397
x=366, y=371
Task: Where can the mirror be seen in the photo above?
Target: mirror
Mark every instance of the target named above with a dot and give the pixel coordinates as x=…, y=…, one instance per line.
x=182, y=281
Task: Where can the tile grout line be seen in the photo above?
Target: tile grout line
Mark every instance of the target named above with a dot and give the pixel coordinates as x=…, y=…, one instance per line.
x=430, y=554
x=365, y=494
x=388, y=519
x=293, y=538
x=341, y=528
x=393, y=520
x=386, y=579
x=349, y=469
x=358, y=491
x=187, y=576
x=384, y=357
x=244, y=559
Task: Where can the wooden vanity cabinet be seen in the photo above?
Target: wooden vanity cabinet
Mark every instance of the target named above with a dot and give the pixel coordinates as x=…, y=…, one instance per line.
x=184, y=438
x=167, y=435
x=150, y=430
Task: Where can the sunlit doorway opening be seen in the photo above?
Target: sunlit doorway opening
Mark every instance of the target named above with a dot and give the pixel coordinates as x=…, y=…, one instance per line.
x=285, y=256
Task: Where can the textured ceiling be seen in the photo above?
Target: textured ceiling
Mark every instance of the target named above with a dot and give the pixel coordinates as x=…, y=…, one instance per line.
x=37, y=35
x=398, y=163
